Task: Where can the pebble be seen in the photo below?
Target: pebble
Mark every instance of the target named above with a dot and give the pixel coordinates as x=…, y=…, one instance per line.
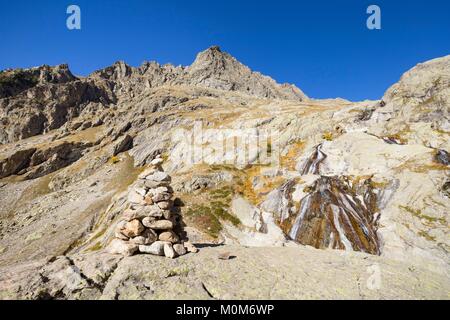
x=190, y=247
x=225, y=256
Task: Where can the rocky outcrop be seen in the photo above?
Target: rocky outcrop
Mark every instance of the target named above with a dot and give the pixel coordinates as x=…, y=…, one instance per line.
x=49, y=106
x=37, y=162
x=13, y=82
x=416, y=108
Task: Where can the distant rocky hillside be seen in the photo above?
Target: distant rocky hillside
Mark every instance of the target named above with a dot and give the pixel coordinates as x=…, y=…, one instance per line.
x=54, y=96
x=345, y=186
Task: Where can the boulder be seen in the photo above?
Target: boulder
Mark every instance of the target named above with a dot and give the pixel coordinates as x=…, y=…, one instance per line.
x=141, y=191
x=159, y=176
x=169, y=252
x=157, y=162
x=156, y=248
x=135, y=198
x=168, y=236
x=159, y=225
x=131, y=214
x=123, y=144
x=161, y=197
x=133, y=229
x=146, y=173
x=155, y=184
x=118, y=246
x=179, y=249
x=165, y=205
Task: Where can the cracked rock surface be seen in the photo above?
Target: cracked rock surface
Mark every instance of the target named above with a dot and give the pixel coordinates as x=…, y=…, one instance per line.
x=251, y=273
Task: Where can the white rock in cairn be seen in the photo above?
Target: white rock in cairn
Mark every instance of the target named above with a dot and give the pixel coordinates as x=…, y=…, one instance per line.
x=147, y=226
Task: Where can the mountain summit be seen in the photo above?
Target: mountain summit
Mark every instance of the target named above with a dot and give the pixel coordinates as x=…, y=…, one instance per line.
x=214, y=68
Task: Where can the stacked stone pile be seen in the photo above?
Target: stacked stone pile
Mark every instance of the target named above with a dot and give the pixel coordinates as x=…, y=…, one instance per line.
x=151, y=224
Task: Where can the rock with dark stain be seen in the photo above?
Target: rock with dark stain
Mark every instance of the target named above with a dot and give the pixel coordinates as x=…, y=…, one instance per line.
x=442, y=157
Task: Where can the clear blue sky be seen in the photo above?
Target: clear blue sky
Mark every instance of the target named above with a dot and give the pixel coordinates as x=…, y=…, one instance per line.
x=322, y=46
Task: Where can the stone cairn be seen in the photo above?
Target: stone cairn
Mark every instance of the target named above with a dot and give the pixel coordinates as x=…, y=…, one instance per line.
x=151, y=224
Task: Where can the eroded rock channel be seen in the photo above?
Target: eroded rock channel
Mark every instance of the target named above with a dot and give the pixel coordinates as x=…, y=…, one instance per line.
x=337, y=213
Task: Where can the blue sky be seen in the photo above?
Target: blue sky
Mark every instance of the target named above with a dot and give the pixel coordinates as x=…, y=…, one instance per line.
x=322, y=46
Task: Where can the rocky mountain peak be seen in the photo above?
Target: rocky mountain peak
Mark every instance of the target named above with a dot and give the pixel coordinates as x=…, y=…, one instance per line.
x=117, y=71
x=217, y=69
x=212, y=68
x=15, y=81
x=213, y=60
